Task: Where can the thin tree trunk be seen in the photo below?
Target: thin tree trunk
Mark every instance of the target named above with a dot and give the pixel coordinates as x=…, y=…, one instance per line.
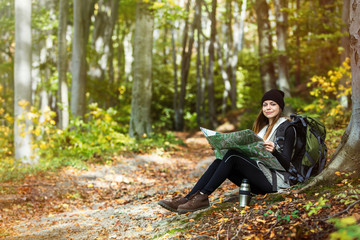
x=179, y=111
x=224, y=75
x=241, y=25
x=281, y=32
x=175, y=99
x=185, y=68
x=110, y=43
x=238, y=45
x=211, y=92
x=298, y=56
x=267, y=72
x=204, y=81
x=226, y=66
x=198, y=64
x=140, y=120
x=62, y=66
x=22, y=82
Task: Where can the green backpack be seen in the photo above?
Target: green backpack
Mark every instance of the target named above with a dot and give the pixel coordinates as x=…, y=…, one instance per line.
x=310, y=151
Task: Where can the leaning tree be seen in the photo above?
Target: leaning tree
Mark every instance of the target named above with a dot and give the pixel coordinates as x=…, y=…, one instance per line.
x=347, y=156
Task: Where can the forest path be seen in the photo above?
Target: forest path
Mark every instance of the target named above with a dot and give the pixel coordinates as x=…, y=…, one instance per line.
x=117, y=201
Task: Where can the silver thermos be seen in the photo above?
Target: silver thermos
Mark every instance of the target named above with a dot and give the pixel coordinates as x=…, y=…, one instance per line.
x=244, y=193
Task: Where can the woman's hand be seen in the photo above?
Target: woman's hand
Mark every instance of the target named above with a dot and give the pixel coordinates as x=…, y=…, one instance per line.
x=269, y=146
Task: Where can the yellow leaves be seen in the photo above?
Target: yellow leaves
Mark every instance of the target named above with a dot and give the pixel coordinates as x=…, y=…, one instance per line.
x=37, y=131
x=158, y=5
x=122, y=90
x=327, y=90
x=23, y=104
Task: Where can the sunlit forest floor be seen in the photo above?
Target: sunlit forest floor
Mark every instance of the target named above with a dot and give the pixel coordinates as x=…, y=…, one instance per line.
x=119, y=201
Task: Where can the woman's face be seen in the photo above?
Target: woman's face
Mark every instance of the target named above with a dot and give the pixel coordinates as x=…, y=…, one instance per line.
x=270, y=109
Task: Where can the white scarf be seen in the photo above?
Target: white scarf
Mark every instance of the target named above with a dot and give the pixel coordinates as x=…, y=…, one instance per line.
x=276, y=125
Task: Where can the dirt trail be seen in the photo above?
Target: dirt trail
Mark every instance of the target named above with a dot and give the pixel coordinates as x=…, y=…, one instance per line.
x=121, y=199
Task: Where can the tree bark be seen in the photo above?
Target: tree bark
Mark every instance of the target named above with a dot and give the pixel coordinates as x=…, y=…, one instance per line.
x=211, y=92
x=82, y=14
x=175, y=99
x=204, y=81
x=267, y=72
x=347, y=155
x=78, y=85
x=224, y=76
x=140, y=120
x=22, y=82
x=345, y=44
x=198, y=64
x=185, y=68
x=281, y=32
x=62, y=66
x=298, y=55
x=238, y=45
x=178, y=116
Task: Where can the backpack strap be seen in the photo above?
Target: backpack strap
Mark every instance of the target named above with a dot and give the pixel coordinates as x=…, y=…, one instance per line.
x=274, y=180
x=280, y=134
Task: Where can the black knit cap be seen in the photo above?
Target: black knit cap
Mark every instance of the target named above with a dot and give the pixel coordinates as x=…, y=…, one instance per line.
x=276, y=96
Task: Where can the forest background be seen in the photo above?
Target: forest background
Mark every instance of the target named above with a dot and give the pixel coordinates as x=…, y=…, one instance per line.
x=199, y=64
x=92, y=79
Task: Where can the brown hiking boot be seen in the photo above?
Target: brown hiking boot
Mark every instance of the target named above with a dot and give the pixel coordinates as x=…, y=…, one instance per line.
x=196, y=202
x=172, y=205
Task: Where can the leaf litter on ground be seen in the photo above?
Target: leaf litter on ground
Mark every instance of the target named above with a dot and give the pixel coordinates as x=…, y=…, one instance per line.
x=119, y=201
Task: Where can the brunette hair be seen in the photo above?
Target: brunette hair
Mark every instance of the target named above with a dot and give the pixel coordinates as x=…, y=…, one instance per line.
x=261, y=121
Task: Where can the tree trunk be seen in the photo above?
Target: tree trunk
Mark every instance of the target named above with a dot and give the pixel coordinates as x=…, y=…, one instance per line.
x=224, y=76
x=226, y=65
x=267, y=72
x=198, y=64
x=241, y=25
x=281, y=32
x=175, y=99
x=62, y=66
x=185, y=68
x=347, y=155
x=204, y=81
x=178, y=117
x=140, y=120
x=345, y=44
x=78, y=85
x=211, y=92
x=298, y=55
x=22, y=82
x=238, y=45
x=82, y=14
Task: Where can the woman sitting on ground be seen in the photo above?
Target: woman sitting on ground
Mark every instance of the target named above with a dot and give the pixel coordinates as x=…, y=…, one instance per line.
x=236, y=166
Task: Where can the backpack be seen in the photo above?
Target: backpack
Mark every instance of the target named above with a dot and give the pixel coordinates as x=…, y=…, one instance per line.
x=309, y=156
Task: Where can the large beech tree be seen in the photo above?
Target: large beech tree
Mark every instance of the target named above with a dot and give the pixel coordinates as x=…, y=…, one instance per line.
x=140, y=121
x=22, y=81
x=347, y=155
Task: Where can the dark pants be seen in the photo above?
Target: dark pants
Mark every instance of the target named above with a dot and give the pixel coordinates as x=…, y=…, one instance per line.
x=235, y=167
